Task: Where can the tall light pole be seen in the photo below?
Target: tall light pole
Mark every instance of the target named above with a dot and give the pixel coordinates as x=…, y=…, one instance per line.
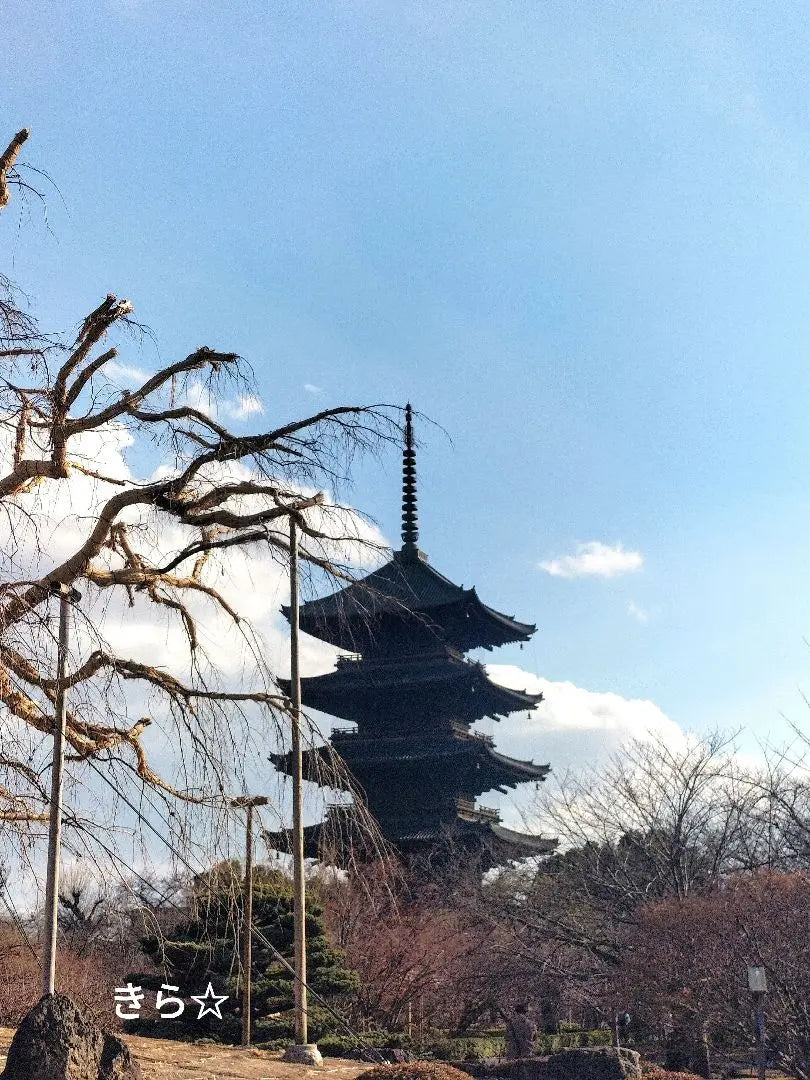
x=67, y=596
x=248, y=802
x=303, y=1052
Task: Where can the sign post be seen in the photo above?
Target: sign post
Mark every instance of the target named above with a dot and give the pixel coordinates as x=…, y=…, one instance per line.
x=758, y=985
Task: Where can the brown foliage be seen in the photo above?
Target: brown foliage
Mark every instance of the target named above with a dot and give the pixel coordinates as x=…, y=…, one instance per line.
x=655, y=1072
x=414, y=1070
x=421, y=948
x=88, y=979
x=690, y=956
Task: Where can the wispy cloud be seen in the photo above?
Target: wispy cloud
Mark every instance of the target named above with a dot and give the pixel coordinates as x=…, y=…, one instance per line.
x=595, y=559
x=244, y=406
x=636, y=612
x=311, y=388
x=125, y=373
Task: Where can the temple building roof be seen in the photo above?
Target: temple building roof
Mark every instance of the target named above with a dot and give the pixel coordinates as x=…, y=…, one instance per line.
x=406, y=690
x=407, y=589
x=484, y=837
x=364, y=615
x=377, y=758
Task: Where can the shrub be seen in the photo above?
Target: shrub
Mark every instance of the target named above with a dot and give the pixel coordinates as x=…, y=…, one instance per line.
x=414, y=1070
x=598, y=1037
x=335, y=1045
x=655, y=1072
x=572, y=1040
x=465, y=1048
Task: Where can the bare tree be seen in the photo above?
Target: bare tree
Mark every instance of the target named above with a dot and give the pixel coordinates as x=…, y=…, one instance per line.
x=689, y=957
x=74, y=513
x=657, y=821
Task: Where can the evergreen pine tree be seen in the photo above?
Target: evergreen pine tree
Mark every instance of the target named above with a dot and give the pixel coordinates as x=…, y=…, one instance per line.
x=205, y=948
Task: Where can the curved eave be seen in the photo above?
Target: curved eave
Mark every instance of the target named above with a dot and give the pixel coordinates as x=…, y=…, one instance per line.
x=334, y=692
x=317, y=766
x=502, y=844
x=508, y=624
x=528, y=842
x=406, y=588
x=361, y=755
x=521, y=770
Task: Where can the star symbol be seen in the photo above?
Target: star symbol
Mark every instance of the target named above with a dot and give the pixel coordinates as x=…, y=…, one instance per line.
x=210, y=1002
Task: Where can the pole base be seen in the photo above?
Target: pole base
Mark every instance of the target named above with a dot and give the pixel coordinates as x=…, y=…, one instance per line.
x=303, y=1054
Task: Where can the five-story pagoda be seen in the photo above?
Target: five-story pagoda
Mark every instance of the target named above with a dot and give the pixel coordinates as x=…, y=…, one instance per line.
x=407, y=685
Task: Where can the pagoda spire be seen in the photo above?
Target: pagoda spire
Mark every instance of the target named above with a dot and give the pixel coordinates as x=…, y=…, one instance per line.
x=410, y=517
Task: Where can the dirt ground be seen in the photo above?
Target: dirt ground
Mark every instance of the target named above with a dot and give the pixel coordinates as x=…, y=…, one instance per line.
x=161, y=1059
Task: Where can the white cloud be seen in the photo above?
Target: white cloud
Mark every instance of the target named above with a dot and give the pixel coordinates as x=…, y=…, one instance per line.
x=636, y=612
x=199, y=397
x=245, y=405
x=572, y=728
x=125, y=373
x=252, y=581
x=595, y=559
x=311, y=388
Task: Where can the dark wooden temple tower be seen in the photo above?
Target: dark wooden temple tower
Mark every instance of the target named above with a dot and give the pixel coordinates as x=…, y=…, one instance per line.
x=407, y=685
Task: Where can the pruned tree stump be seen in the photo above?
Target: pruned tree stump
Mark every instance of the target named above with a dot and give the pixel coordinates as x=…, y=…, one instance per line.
x=303, y=1054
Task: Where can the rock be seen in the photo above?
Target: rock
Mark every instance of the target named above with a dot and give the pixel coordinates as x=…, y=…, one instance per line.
x=303, y=1054
x=55, y=1041
x=116, y=1061
x=386, y=1055
x=596, y=1063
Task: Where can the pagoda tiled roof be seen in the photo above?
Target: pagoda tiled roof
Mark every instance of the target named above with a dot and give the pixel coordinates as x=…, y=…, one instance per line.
x=406, y=587
x=492, y=842
x=362, y=690
x=361, y=754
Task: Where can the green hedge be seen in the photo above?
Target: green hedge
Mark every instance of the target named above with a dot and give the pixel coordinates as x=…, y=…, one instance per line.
x=465, y=1048
x=473, y=1048
x=485, y=1046
x=572, y=1040
x=335, y=1045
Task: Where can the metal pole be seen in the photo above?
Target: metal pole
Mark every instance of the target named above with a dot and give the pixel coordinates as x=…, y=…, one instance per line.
x=299, y=885
x=247, y=934
x=66, y=594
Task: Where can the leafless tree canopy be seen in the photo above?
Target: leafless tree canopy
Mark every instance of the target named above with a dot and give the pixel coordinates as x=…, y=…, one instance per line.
x=73, y=513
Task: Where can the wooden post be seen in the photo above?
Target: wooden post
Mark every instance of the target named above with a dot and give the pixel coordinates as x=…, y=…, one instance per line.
x=67, y=595
x=247, y=931
x=247, y=923
x=299, y=884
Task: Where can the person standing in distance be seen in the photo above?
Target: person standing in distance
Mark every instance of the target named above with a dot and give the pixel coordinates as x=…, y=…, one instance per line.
x=520, y=1033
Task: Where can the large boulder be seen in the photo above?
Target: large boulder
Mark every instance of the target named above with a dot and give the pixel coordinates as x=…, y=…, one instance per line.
x=55, y=1041
x=413, y=1070
x=593, y=1063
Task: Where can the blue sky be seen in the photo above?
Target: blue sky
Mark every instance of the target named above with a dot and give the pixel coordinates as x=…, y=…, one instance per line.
x=577, y=236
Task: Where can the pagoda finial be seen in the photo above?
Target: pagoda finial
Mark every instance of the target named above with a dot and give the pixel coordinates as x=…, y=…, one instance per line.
x=410, y=518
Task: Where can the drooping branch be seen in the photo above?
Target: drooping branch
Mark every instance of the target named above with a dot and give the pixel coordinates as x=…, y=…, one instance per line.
x=7, y=161
x=163, y=545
